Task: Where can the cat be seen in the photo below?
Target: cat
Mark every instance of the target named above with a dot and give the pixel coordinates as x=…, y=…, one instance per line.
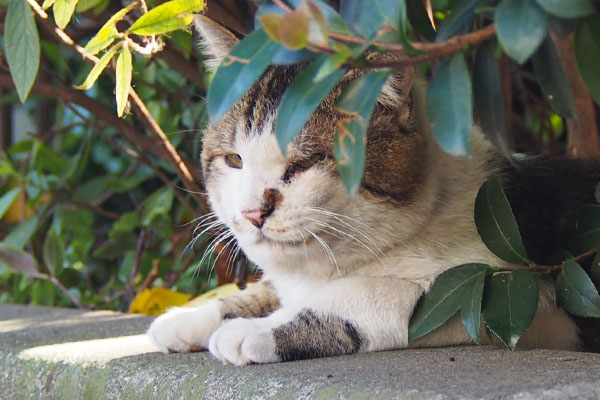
x=342, y=275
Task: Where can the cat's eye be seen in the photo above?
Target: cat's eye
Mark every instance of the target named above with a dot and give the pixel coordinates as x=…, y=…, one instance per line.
x=306, y=163
x=234, y=160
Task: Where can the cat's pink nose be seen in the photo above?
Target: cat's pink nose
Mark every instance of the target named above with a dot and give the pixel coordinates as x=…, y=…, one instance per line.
x=257, y=217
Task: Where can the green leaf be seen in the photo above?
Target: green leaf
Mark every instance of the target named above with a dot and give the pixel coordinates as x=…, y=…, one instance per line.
x=301, y=99
x=368, y=17
x=127, y=223
x=8, y=199
x=583, y=229
x=419, y=19
x=587, y=53
x=238, y=71
x=108, y=33
x=123, y=79
x=595, y=269
x=470, y=309
x=575, y=291
x=553, y=80
x=47, y=4
x=459, y=21
x=487, y=92
x=20, y=261
x=159, y=203
x=86, y=5
x=449, y=104
x=510, y=303
x=20, y=235
x=63, y=11
x=567, y=9
x=167, y=17
x=331, y=63
x=22, y=43
x=496, y=223
x=356, y=104
x=521, y=26
x=116, y=247
x=458, y=288
x=98, y=68
x=54, y=252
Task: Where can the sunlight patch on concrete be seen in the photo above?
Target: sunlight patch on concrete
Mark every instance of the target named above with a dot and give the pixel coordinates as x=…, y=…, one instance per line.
x=97, y=351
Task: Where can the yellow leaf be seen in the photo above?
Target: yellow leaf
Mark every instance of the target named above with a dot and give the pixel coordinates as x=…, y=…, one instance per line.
x=98, y=68
x=216, y=293
x=63, y=11
x=155, y=301
x=107, y=34
x=123, y=79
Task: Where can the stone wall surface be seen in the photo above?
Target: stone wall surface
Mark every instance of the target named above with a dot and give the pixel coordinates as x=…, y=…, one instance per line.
x=48, y=353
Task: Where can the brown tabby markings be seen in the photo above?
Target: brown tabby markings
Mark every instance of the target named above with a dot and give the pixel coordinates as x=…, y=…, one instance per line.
x=258, y=300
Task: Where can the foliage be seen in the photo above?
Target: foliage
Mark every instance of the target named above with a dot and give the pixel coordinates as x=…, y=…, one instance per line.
x=93, y=207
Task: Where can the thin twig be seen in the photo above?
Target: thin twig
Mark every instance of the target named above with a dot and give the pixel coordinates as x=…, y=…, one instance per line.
x=152, y=275
x=62, y=287
x=551, y=268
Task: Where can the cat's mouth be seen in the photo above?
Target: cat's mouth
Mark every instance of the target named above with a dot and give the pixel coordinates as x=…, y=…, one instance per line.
x=264, y=238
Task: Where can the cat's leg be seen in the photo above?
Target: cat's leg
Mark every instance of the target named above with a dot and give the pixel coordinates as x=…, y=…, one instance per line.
x=348, y=315
x=185, y=329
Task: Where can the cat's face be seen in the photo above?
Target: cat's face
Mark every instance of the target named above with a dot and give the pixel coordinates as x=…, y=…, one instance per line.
x=291, y=211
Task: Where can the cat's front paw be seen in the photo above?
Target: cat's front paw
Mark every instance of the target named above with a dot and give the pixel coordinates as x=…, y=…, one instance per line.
x=185, y=329
x=244, y=341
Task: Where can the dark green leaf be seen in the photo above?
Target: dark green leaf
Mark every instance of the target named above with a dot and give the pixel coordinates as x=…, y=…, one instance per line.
x=595, y=270
x=20, y=235
x=116, y=247
x=419, y=19
x=356, y=103
x=367, y=17
x=54, y=252
x=487, y=91
x=553, y=80
x=510, y=303
x=300, y=99
x=22, y=43
x=459, y=287
x=583, y=229
x=587, y=54
x=449, y=104
x=521, y=26
x=167, y=17
x=8, y=199
x=18, y=260
x=470, y=309
x=159, y=203
x=459, y=21
x=496, y=223
x=42, y=293
x=127, y=223
x=238, y=71
x=575, y=291
x=567, y=9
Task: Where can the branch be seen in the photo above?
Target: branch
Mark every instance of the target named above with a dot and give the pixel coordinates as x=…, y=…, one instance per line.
x=434, y=50
x=551, y=268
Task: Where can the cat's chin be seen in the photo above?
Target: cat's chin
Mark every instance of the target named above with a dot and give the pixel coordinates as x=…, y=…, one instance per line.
x=263, y=238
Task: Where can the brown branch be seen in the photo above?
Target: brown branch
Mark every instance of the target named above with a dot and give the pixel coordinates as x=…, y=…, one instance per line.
x=152, y=275
x=551, y=268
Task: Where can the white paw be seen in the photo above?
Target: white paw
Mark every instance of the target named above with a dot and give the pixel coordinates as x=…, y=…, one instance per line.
x=185, y=329
x=244, y=341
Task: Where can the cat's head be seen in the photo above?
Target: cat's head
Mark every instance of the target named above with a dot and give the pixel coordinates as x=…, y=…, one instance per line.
x=292, y=211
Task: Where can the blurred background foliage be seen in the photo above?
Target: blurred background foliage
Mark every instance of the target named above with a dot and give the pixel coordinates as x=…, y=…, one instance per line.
x=95, y=209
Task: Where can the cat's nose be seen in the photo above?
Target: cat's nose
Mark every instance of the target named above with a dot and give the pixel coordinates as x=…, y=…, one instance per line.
x=257, y=217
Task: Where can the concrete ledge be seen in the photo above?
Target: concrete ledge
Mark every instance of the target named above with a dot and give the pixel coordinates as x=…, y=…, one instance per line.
x=50, y=353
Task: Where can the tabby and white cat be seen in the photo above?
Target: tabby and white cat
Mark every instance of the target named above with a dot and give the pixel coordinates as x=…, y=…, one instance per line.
x=343, y=275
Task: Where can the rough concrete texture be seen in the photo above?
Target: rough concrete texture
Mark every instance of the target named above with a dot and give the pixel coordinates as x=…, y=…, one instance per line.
x=67, y=354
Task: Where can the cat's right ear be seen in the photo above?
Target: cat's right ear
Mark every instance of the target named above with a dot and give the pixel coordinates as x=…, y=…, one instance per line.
x=215, y=40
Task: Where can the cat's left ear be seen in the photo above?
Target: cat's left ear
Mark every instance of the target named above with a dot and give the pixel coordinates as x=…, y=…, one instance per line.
x=215, y=40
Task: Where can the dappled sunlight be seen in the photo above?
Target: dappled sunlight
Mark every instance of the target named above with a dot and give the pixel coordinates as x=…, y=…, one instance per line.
x=97, y=351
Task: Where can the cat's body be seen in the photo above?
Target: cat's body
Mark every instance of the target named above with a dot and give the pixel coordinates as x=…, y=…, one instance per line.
x=343, y=275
